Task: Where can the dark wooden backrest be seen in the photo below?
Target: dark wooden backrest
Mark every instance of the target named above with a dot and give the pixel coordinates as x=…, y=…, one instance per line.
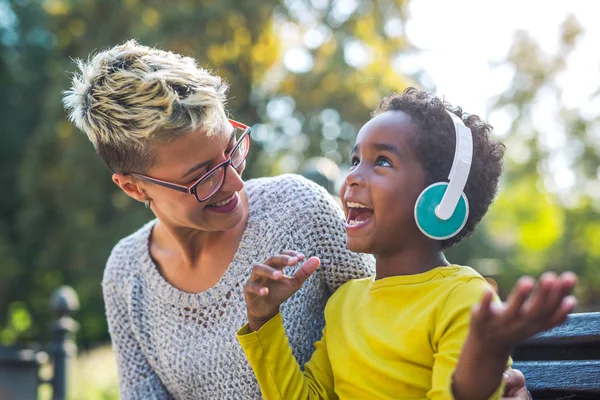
x=563, y=363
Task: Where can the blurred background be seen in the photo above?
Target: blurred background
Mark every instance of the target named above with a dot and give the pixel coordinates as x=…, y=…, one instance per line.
x=305, y=74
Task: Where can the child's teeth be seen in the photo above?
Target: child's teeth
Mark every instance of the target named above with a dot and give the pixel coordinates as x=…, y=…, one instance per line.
x=352, y=204
x=354, y=222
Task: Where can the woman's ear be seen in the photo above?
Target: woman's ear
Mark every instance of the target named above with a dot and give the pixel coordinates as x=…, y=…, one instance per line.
x=130, y=186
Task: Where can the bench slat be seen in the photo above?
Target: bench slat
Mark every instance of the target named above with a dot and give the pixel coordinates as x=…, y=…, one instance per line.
x=579, y=328
x=571, y=376
x=557, y=352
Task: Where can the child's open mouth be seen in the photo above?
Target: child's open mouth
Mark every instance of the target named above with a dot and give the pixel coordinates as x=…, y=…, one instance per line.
x=358, y=214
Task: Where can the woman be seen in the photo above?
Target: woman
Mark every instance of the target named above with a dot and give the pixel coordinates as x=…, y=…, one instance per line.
x=173, y=290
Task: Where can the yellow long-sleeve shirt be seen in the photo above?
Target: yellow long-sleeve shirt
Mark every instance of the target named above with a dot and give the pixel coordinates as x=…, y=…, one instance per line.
x=393, y=338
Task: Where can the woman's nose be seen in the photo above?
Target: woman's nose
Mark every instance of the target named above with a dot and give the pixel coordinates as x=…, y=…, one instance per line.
x=233, y=179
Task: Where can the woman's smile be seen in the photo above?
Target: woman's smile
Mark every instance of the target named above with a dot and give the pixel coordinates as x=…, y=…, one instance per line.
x=224, y=206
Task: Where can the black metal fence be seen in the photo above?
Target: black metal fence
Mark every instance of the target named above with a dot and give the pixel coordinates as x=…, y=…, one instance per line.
x=20, y=367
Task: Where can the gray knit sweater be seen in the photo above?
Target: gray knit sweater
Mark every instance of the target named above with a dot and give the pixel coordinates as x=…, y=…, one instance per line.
x=173, y=344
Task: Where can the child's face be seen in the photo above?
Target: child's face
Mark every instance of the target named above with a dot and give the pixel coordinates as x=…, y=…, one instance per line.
x=382, y=186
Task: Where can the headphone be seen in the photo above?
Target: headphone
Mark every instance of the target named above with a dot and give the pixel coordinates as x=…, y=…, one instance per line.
x=442, y=209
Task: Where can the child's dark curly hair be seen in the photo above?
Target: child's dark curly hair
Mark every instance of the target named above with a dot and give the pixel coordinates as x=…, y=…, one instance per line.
x=434, y=143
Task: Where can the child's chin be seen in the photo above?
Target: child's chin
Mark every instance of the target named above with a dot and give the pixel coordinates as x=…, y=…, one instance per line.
x=358, y=246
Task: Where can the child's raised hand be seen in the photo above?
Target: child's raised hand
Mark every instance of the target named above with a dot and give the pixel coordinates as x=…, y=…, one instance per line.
x=268, y=286
x=529, y=310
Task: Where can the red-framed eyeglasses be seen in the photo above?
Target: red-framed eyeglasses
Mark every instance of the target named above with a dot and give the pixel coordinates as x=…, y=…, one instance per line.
x=208, y=184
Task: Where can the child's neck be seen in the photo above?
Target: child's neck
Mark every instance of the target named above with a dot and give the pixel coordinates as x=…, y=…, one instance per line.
x=408, y=262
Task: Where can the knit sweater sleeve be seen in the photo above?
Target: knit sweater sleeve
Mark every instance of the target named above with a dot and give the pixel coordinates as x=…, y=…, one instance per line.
x=327, y=240
x=137, y=380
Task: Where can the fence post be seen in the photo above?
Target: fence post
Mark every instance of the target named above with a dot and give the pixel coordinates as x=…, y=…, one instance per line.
x=64, y=301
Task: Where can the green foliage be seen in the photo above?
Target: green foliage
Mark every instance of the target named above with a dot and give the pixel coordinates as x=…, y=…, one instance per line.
x=61, y=213
x=533, y=226
x=294, y=80
x=19, y=321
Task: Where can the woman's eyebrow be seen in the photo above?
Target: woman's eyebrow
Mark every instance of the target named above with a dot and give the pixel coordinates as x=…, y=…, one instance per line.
x=205, y=163
x=195, y=168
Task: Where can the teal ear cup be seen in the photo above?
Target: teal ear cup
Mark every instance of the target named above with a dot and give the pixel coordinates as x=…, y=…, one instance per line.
x=430, y=224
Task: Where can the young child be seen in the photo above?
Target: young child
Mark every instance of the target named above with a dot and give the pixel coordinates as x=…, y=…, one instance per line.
x=399, y=334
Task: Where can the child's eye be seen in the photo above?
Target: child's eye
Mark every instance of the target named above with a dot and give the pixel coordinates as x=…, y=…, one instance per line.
x=383, y=162
x=354, y=161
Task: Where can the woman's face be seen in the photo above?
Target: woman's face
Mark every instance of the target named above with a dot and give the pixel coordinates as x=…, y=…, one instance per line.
x=184, y=161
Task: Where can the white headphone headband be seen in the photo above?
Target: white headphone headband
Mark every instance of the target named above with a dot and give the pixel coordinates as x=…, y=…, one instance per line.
x=461, y=166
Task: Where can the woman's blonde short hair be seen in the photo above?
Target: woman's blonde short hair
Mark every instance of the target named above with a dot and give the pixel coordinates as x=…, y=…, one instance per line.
x=131, y=97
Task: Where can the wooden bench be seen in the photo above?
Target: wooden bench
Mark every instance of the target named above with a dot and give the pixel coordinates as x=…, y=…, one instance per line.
x=563, y=363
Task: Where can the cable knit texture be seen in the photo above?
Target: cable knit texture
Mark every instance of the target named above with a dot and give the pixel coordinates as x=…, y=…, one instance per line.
x=173, y=344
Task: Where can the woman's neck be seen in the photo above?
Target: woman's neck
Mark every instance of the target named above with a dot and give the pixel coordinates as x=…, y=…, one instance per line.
x=191, y=245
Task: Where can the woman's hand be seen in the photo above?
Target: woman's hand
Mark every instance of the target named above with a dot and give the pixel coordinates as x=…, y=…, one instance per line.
x=516, y=388
x=268, y=286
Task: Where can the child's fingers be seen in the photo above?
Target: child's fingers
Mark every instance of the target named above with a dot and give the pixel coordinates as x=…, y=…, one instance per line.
x=481, y=312
x=280, y=261
x=562, y=288
x=256, y=289
x=555, y=295
x=536, y=305
x=518, y=296
x=486, y=301
x=264, y=271
x=566, y=307
x=305, y=271
x=568, y=281
x=293, y=253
